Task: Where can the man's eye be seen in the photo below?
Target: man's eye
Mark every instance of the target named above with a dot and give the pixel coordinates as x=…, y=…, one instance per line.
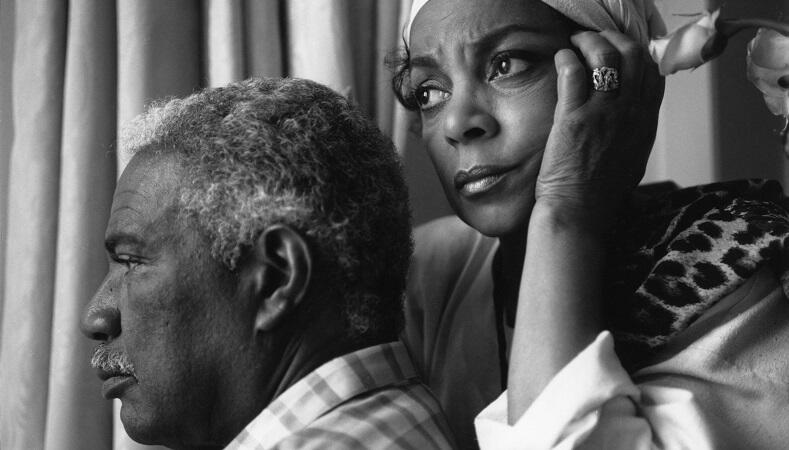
x=507, y=64
x=429, y=97
x=129, y=261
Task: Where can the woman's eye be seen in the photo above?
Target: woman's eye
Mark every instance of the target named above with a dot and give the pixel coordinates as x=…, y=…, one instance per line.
x=429, y=97
x=505, y=65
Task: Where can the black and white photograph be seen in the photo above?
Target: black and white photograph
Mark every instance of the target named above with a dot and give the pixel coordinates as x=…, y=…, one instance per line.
x=394, y=224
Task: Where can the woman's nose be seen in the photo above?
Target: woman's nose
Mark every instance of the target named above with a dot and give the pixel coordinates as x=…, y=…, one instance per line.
x=101, y=320
x=467, y=120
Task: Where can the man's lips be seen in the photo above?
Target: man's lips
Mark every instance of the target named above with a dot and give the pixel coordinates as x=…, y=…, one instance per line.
x=479, y=179
x=114, y=382
x=114, y=385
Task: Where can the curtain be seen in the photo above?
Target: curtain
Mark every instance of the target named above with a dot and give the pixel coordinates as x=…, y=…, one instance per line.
x=71, y=73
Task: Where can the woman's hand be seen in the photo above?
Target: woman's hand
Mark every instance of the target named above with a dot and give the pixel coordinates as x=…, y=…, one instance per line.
x=596, y=152
x=600, y=141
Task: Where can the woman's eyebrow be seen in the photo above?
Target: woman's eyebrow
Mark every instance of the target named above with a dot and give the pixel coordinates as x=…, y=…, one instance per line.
x=423, y=61
x=482, y=44
x=490, y=39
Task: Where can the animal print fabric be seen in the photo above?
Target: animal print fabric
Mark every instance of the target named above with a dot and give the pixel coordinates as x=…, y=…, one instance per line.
x=678, y=253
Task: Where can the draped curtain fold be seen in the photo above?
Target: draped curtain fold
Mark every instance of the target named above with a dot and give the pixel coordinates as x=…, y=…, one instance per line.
x=71, y=74
x=38, y=69
x=75, y=412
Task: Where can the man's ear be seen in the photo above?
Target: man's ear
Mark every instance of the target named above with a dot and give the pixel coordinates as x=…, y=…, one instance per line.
x=277, y=274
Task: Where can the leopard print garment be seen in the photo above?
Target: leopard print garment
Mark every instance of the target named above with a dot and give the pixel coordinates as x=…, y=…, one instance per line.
x=685, y=250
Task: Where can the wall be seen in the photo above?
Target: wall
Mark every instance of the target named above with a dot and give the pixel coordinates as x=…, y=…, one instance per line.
x=714, y=124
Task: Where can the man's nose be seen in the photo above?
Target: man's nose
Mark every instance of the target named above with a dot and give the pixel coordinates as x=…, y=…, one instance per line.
x=467, y=120
x=102, y=319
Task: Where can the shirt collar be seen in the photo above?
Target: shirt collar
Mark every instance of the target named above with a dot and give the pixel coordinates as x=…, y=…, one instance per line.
x=324, y=389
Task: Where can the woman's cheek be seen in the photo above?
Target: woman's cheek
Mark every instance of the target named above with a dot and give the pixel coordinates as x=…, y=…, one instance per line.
x=444, y=161
x=534, y=108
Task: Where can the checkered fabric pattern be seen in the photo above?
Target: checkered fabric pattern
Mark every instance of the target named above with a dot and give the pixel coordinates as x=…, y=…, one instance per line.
x=370, y=398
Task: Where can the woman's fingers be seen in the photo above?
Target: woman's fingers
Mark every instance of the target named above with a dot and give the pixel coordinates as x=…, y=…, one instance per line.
x=596, y=49
x=571, y=84
x=632, y=59
x=653, y=83
x=652, y=94
x=599, y=54
x=600, y=51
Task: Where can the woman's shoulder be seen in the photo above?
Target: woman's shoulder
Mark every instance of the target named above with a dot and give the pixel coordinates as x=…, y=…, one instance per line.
x=726, y=360
x=677, y=254
x=447, y=254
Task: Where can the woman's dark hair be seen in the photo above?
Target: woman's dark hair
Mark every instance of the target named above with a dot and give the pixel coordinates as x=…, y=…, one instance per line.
x=399, y=62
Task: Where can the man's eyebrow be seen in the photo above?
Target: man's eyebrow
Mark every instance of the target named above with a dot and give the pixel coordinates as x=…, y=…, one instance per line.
x=133, y=192
x=114, y=240
x=124, y=207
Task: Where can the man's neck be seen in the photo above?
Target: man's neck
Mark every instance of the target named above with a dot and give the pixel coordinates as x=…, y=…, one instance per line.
x=308, y=351
x=283, y=358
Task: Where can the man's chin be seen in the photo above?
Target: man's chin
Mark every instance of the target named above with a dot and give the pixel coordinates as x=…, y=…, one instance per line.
x=141, y=427
x=149, y=429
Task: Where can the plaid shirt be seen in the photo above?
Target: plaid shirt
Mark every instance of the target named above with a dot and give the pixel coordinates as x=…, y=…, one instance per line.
x=370, y=398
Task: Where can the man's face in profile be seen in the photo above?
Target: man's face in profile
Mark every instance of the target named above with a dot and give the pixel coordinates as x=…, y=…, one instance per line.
x=171, y=333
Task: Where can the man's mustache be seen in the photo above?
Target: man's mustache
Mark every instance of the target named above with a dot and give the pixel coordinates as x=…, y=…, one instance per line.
x=113, y=362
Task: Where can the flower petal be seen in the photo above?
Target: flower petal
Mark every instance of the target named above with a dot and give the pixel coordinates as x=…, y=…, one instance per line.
x=767, y=63
x=682, y=49
x=770, y=49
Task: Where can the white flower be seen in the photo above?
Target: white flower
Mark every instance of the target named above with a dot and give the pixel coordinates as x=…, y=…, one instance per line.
x=689, y=46
x=768, y=69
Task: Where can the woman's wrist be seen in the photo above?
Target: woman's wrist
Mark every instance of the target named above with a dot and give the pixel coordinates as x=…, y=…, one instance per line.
x=562, y=214
x=559, y=303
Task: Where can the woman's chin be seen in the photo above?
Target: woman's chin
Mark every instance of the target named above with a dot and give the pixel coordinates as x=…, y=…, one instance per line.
x=498, y=220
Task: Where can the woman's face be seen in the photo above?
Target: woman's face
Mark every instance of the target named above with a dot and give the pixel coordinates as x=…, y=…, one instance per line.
x=483, y=75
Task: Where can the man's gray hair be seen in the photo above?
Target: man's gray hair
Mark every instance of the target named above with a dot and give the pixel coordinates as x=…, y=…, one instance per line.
x=290, y=151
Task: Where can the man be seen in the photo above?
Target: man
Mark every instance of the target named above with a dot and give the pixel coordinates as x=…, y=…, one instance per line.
x=258, y=244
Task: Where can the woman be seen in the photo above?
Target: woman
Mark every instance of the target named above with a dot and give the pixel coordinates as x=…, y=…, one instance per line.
x=539, y=117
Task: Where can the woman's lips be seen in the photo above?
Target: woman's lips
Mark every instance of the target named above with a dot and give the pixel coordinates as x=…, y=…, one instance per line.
x=479, y=179
x=114, y=386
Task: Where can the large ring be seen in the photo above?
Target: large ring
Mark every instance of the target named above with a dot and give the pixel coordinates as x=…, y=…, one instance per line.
x=605, y=79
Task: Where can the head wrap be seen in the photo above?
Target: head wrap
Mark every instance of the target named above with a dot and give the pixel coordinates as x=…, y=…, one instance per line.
x=638, y=19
